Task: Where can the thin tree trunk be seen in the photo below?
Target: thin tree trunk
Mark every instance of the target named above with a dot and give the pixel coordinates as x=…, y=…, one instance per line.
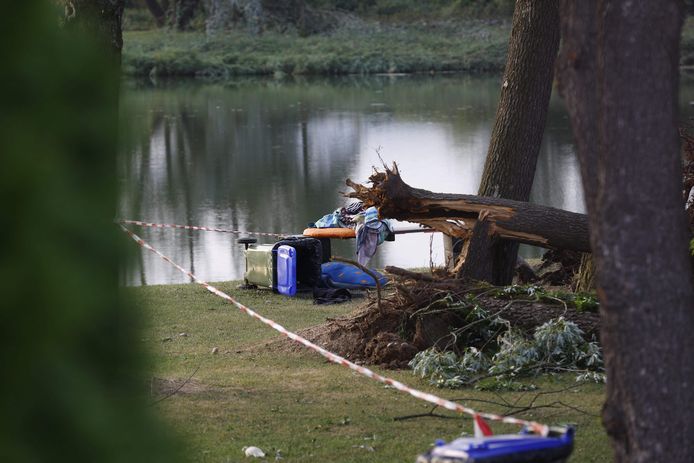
x=183, y=13
x=157, y=11
x=517, y=134
x=619, y=75
x=585, y=277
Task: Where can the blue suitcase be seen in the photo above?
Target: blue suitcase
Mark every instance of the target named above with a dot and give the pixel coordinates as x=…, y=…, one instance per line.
x=290, y=265
x=286, y=270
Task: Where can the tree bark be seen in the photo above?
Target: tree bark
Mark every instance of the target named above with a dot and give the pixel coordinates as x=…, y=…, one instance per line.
x=157, y=11
x=619, y=75
x=182, y=13
x=509, y=169
x=585, y=277
x=457, y=214
x=257, y=15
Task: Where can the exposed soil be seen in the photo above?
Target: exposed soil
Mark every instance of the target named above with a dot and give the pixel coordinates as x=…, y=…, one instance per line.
x=414, y=317
x=558, y=267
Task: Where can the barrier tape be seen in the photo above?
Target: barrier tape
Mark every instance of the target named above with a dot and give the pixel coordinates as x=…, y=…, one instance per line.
x=447, y=404
x=198, y=228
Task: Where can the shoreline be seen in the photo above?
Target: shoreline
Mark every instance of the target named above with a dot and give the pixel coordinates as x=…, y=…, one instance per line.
x=474, y=47
x=464, y=47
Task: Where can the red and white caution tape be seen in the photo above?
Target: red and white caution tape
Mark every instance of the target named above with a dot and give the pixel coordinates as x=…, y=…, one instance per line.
x=197, y=228
x=447, y=404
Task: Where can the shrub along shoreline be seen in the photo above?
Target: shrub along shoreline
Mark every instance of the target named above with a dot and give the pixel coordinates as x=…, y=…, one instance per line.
x=473, y=46
x=470, y=46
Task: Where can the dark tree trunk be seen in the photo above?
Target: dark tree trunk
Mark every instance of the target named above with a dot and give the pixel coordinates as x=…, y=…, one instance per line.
x=517, y=134
x=101, y=19
x=182, y=13
x=157, y=11
x=259, y=15
x=457, y=214
x=619, y=74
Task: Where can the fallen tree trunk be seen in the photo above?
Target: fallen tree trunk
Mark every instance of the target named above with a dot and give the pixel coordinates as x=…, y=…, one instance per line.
x=457, y=214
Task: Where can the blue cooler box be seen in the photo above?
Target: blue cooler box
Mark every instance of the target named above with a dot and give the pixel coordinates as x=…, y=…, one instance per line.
x=286, y=270
x=509, y=448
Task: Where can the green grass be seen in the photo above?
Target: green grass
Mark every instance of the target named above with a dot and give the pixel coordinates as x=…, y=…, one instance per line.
x=477, y=46
x=461, y=45
x=252, y=393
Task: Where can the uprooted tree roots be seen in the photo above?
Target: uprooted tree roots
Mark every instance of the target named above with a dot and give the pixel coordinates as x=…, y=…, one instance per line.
x=421, y=311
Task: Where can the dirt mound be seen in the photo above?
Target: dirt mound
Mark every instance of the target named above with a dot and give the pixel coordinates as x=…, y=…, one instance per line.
x=558, y=267
x=365, y=336
x=389, y=349
x=417, y=315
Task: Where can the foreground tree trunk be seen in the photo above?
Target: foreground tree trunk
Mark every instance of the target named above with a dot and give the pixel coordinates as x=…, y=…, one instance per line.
x=59, y=150
x=457, y=214
x=518, y=128
x=619, y=75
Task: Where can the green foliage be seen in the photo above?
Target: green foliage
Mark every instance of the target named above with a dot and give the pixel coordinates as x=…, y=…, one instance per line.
x=481, y=325
x=72, y=388
x=515, y=354
x=138, y=19
x=557, y=345
x=583, y=302
x=417, y=10
x=470, y=46
x=691, y=247
x=446, y=369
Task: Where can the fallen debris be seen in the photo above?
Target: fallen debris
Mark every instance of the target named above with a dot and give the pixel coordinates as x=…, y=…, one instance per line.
x=254, y=452
x=421, y=311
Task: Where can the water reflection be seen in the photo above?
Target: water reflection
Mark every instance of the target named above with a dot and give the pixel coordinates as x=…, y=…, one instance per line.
x=272, y=156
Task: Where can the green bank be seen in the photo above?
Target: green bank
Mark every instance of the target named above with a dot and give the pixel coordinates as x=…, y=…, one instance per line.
x=478, y=45
x=475, y=46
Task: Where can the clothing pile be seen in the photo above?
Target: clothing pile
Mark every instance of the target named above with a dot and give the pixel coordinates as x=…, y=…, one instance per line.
x=371, y=232
x=340, y=218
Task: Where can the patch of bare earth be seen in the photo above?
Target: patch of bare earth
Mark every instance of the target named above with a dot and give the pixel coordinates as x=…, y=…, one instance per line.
x=413, y=316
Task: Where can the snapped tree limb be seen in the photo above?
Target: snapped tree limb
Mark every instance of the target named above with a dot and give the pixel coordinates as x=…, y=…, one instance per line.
x=457, y=214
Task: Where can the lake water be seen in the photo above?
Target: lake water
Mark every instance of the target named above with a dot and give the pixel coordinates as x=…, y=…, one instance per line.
x=271, y=156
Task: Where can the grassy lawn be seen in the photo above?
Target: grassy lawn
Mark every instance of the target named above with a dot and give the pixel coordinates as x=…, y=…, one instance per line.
x=252, y=393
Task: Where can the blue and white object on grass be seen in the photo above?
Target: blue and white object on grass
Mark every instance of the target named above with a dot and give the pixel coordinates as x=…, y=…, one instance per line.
x=343, y=275
x=286, y=270
x=505, y=448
